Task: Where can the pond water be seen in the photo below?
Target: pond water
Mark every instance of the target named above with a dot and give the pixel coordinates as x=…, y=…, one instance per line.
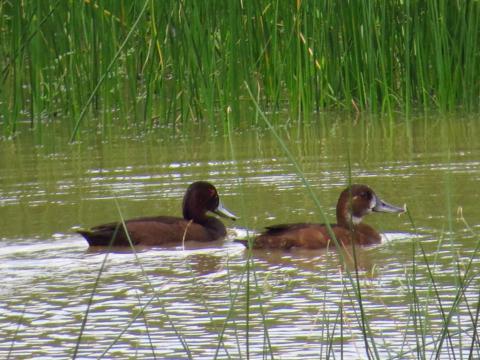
x=302, y=303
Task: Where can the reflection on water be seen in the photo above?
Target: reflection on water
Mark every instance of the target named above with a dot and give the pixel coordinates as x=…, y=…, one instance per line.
x=302, y=303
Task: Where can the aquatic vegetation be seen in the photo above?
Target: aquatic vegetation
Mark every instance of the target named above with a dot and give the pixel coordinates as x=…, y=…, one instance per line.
x=147, y=63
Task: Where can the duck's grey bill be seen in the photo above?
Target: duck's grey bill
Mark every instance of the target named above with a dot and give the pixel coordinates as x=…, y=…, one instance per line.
x=220, y=210
x=382, y=206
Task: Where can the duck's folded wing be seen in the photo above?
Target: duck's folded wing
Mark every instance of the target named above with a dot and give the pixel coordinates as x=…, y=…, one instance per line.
x=280, y=228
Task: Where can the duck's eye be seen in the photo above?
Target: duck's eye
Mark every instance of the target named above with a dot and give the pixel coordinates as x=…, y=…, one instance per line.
x=212, y=193
x=365, y=194
x=214, y=196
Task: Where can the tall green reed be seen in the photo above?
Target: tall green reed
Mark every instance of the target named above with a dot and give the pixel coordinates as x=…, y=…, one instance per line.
x=185, y=60
x=17, y=331
x=352, y=278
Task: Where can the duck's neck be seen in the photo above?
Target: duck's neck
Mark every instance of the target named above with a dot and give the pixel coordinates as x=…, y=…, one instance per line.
x=346, y=219
x=214, y=226
x=198, y=217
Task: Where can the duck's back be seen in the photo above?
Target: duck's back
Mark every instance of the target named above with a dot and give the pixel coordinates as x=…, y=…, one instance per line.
x=286, y=236
x=312, y=236
x=154, y=231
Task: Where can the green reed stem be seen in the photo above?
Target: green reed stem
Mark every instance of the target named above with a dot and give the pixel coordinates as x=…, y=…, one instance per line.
x=354, y=281
x=231, y=310
x=197, y=285
x=230, y=313
x=107, y=71
x=27, y=41
x=262, y=314
x=150, y=284
x=188, y=60
x=144, y=273
x=475, y=339
x=120, y=334
x=366, y=331
x=90, y=302
x=19, y=324
x=463, y=282
x=250, y=269
x=145, y=321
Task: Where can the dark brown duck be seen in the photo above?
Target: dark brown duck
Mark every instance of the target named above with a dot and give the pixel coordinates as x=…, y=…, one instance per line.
x=201, y=197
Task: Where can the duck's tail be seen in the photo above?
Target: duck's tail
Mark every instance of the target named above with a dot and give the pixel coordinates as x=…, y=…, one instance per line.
x=89, y=236
x=95, y=239
x=244, y=242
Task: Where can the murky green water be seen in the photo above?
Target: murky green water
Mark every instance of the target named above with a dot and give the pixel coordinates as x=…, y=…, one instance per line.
x=48, y=272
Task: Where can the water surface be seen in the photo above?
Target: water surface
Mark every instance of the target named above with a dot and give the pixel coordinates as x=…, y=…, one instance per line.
x=302, y=304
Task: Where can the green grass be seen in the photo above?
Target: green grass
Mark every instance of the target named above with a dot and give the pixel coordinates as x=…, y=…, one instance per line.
x=170, y=62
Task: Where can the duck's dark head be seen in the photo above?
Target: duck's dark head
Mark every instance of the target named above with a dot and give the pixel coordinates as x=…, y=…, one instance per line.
x=201, y=196
x=358, y=200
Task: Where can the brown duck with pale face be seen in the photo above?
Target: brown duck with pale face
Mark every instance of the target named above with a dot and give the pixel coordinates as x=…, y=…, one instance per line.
x=353, y=204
